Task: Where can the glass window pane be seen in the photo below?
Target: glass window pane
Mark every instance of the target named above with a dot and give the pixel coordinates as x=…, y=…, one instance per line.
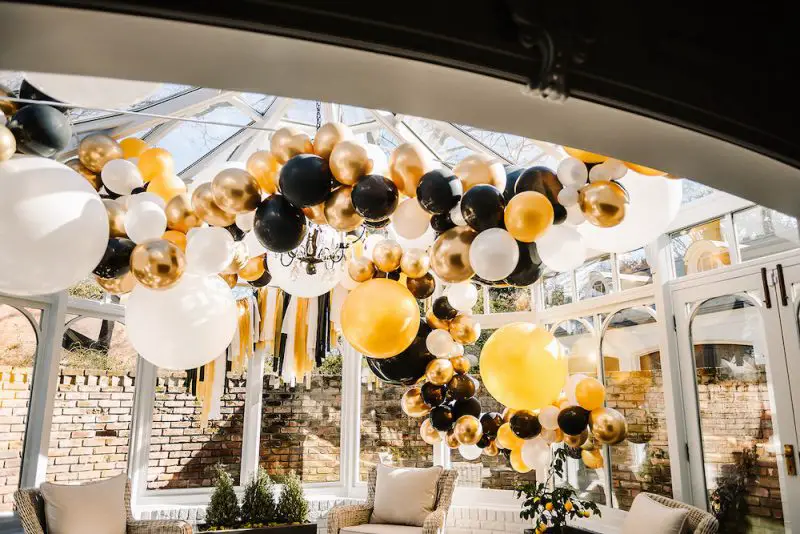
x=519, y=150
x=761, y=231
x=700, y=248
x=509, y=299
x=693, y=191
x=258, y=101
x=594, y=278
x=634, y=271
x=478, y=308
x=557, y=288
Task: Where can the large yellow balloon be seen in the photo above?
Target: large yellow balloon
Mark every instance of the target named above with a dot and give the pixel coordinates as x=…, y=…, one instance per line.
x=590, y=393
x=156, y=162
x=167, y=186
x=523, y=366
x=528, y=215
x=507, y=439
x=380, y=318
x=132, y=147
x=517, y=463
x=584, y=155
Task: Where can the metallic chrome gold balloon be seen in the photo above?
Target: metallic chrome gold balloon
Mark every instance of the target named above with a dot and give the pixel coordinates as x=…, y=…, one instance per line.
x=360, y=269
x=339, y=210
x=584, y=155
x=96, y=150
x=430, y=435
x=176, y=238
x=349, y=161
x=491, y=449
x=435, y=322
x=239, y=260
x=208, y=210
x=422, y=287
x=230, y=279
x=576, y=441
x=157, y=264
x=450, y=254
x=289, y=142
x=253, y=269
x=265, y=169
x=641, y=169
x=451, y=439
x=75, y=165
x=461, y=364
x=593, y=459
x=608, y=426
x=387, y=255
x=508, y=413
x=407, y=164
x=8, y=145
x=415, y=263
x=236, y=191
x=328, y=136
x=465, y=329
x=479, y=169
x=116, y=217
x=468, y=430
x=181, y=217
x=7, y=107
x=117, y=286
x=603, y=203
x=528, y=215
x=412, y=403
x=316, y=213
x=439, y=371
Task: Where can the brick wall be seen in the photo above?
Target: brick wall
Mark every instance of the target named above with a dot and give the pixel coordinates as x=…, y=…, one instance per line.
x=14, y=397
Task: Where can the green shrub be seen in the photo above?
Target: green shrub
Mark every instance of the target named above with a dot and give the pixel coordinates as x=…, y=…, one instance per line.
x=223, y=510
x=258, y=505
x=292, y=505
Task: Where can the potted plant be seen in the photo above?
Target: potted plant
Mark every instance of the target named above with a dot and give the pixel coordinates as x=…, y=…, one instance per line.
x=550, y=506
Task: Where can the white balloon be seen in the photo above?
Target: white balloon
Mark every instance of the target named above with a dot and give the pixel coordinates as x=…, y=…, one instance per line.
x=568, y=196
x=493, y=254
x=348, y=283
x=548, y=417
x=535, y=451
x=207, y=175
x=570, y=385
x=120, y=176
x=470, y=452
x=380, y=163
x=245, y=221
x=91, y=92
x=611, y=169
x=457, y=217
x=410, y=220
x=654, y=203
x=458, y=350
x=574, y=215
x=463, y=296
x=439, y=343
x=423, y=242
x=560, y=248
x=145, y=221
x=296, y=281
x=53, y=226
x=182, y=327
x=209, y=251
x=133, y=200
x=572, y=172
x=254, y=246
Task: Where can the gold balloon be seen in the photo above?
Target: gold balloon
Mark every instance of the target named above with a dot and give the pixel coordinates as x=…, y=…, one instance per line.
x=176, y=238
x=528, y=215
x=451, y=440
x=508, y=413
x=132, y=147
x=7, y=107
x=450, y=254
x=157, y=264
x=167, y=186
x=96, y=150
x=590, y=393
x=480, y=169
x=265, y=169
x=430, y=435
x=8, y=146
x=412, y=403
x=608, y=426
x=468, y=430
x=465, y=329
x=435, y=322
x=240, y=258
x=349, y=161
x=156, y=162
x=491, y=449
x=593, y=459
x=181, y=217
x=461, y=364
x=328, y=136
x=641, y=169
x=316, y=213
x=286, y=143
x=507, y=439
x=208, y=210
x=236, y=191
x=360, y=269
x=576, y=441
x=117, y=286
x=439, y=371
x=407, y=164
x=116, y=217
x=254, y=268
x=415, y=262
x=339, y=211
x=75, y=165
x=603, y=203
x=517, y=463
x=387, y=255
x=584, y=155
x=380, y=318
x=422, y=287
x=230, y=279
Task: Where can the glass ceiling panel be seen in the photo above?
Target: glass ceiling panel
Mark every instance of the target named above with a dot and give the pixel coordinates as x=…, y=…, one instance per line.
x=257, y=101
x=449, y=149
x=304, y=111
x=353, y=115
x=519, y=150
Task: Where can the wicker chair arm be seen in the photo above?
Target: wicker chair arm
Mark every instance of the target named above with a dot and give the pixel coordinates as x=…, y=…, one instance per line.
x=159, y=526
x=434, y=523
x=30, y=509
x=348, y=516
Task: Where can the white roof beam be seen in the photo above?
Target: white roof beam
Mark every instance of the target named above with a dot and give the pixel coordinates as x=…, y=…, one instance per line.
x=270, y=119
x=402, y=131
x=188, y=174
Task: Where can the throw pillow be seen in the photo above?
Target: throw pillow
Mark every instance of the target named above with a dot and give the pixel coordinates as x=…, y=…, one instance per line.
x=647, y=515
x=405, y=495
x=94, y=507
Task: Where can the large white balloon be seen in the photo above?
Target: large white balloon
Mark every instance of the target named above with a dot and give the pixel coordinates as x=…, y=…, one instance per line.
x=493, y=254
x=570, y=385
x=245, y=221
x=423, y=242
x=463, y=296
x=535, y=452
x=145, y=221
x=548, y=417
x=132, y=200
x=380, y=163
x=296, y=281
x=655, y=201
x=439, y=343
x=209, y=251
x=572, y=172
x=561, y=248
x=120, y=176
x=182, y=327
x=91, y=92
x=410, y=220
x=470, y=452
x=254, y=246
x=53, y=226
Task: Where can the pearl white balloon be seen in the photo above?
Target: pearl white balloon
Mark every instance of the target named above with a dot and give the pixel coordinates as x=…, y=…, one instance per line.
x=410, y=220
x=90, y=91
x=439, y=343
x=347, y=282
x=611, y=169
x=209, y=251
x=380, y=163
x=463, y=296
x=245, y=221
x=548, y=417
x=296, y=281
x=568, y=196
x=120, y=176
x=424, y=241
x=53, y=226
x=254, y=246
x=182, y=327
x=574, y=215
x=470, y=452
x=132, y=200
x=535, y=451
x=458, y=350
x=572, y=172
x=570, y=385
x=560, y=248
x=493, y=254
x=145, y=221
x=457, y=217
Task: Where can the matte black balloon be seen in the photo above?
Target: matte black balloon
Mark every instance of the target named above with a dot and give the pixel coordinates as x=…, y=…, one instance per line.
x=432, y=394
x=491, y=422
x=422, y=287
x=279, y=226
x=525, y=424
x=262, y=281
x=137, y=190
x=513, y=173
x=109, y=194
x=470, y=406
x=482, y=207
x=236, y=232
x=377, y=224
x=40, y=130
x=488, y=283
x=527, y=271
x=408, y=366
x=305, y=180
x=544, y=181
x=442, y=418
x=442, y=223
x=559, y=214
x=394, y=275
x=574, y=452
x=439, y=191
x=461, y=387
x=375, y=197
x=573, y=420
x=443, y=310
x=28, y=91
x=116, y=260
x=484, y=442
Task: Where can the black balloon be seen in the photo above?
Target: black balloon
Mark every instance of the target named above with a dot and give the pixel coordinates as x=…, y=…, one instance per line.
x=422, y=287
x=573, y=420
x=236, y=232
x=432, y=394
x=525, y=424
x=442, y=223
x=394, y=275
x=262, y=281
x=470, y=406
x=305, y=180
x=575, y=453
x=109, y=194
x=40, y=130
x=377, y=224
x=439, y=191
x=529, y=266
x=279, y=226
x=375, y=197
x=544, y=181
x=491, y=422
x=512, y=175
x=484, y=442
x=442, y=418
x=461, y=387
x=408, y=366
x=30, y=92
x=443, y=310
x=116, y=260
x=482, y=207
x=137, y=190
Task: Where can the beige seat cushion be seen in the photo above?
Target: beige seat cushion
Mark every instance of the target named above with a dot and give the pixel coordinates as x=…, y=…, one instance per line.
x=382, y=529
x=97, y=507
x=405, y=495
x=651, y=517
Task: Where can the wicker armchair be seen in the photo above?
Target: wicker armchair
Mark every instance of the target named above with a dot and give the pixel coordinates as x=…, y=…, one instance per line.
x=699, y=521
x=29, y=506
x=352, y=515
